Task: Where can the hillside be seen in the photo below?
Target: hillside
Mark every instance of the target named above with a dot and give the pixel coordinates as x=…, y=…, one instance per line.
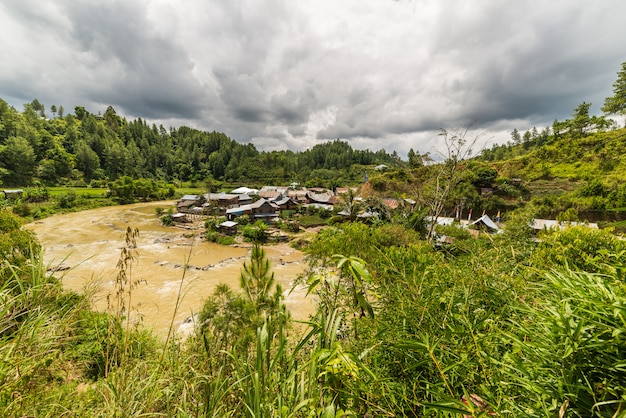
x=82, y=148
x=586, y=174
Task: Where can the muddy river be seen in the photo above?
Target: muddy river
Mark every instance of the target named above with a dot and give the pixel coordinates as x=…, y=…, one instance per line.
x=90, y=242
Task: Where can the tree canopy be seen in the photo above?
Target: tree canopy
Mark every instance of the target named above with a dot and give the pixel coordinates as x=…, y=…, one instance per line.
x=85, y=147
x=616, y=104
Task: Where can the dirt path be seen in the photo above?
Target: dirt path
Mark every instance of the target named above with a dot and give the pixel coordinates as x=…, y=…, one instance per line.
x=89, y=243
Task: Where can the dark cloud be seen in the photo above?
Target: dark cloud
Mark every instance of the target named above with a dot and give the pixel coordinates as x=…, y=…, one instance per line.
x=290, y=74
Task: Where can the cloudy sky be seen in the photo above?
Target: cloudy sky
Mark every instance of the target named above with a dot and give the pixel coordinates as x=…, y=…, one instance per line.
x=287, y=74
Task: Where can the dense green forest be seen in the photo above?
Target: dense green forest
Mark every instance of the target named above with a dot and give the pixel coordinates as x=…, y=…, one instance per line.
x=83, y=148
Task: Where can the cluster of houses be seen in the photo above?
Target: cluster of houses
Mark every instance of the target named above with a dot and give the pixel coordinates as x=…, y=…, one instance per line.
x=269, y=202
x=486, y=224
x=265, y=204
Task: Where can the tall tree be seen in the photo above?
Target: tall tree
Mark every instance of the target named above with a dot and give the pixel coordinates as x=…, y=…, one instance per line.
x=87, y=160
x=435, y=194
x=39, y=107
x=18, y=157
x=616, y=104
x=515, y=136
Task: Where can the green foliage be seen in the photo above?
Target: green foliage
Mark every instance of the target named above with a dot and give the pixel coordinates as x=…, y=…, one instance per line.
x=616, y=104
x=67, y=200
x=400, y=330
x=37, y=194
x=17, y=156
x=167, y=220
x=109, y=147
x=256, y=232
x=126, y=190
x=578, y=247
x=225, y=240
x=257, y=280
x=228, y=320
x=568, y=351
x=18, y=246
x=22, y=209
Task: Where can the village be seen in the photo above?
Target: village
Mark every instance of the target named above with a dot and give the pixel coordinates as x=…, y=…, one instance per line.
x=273, y=203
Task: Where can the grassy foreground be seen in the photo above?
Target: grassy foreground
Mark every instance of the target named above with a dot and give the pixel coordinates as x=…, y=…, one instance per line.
x=494, y=326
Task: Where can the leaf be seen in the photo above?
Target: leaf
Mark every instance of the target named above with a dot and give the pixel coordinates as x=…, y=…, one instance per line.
x=329, y=411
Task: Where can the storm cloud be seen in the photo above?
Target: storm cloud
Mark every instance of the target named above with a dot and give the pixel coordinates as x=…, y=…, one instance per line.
x=289, y=74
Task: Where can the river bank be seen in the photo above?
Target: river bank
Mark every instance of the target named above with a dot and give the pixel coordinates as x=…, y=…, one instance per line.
x=87, y=245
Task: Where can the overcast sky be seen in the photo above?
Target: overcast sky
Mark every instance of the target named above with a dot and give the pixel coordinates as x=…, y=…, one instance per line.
x=290, y=74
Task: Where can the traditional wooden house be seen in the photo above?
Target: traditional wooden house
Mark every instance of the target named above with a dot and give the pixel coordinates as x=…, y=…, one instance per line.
x=180, y=217
x=223, y=200
x=228, y=227
x=298, y=196
x=286, y=203
x=245, y=199
x=325, y=198
x=272, y=192
x=188, y=202
x=232, y=213
x=263, y=209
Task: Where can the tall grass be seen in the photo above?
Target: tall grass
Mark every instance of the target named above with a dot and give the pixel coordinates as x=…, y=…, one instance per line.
x=36, y=322
x=475, y=332
x=569, y=353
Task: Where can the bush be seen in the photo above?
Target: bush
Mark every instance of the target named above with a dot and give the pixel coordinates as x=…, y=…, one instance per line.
x=579, y=247
x=167, y=220
x=211, y=235
x=37, y=194
x=67, y=200
x=256, y=232
x=225, y=240
x=22, y=209
x=568, y=353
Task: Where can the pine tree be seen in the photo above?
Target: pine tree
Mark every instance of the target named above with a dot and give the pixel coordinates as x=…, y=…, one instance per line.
x=616, y=104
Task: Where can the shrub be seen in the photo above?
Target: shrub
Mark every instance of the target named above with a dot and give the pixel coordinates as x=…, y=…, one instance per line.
x=225, y=240
x=22, y=209
x=211, y=235
x=579, y=247
x=67, y=200
x=256, y=232
x=167, y=220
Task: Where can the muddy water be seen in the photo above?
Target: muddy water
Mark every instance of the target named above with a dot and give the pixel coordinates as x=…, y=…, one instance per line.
x=90, y=242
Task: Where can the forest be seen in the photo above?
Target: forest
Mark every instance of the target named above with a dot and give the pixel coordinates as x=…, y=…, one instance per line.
x=516, y=324
x=87, y=149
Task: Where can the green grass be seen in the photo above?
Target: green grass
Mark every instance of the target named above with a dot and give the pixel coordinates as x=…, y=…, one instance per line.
x=309, y=221
x=87, y=192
